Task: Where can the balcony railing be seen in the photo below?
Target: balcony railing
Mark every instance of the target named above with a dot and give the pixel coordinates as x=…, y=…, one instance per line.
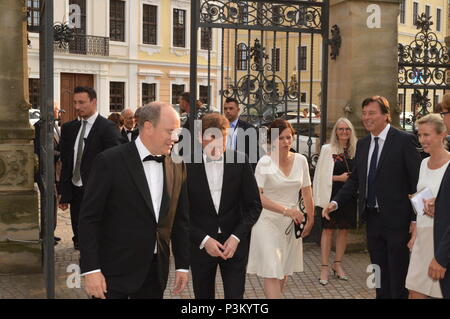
x=86, y=45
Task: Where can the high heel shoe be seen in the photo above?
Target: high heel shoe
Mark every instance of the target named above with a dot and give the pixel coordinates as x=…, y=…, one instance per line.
x=323, y=282
x=343, y=277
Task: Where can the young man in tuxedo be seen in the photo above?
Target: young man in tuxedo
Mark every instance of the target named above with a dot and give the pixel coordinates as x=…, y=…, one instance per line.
x=386, y=172
x=224, y=205
x=135, y=205
x=81, y=141
x=129, y=132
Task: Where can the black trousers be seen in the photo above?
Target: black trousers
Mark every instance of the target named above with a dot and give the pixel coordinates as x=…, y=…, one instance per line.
x=204, y=268
x=151, y=288
x=388, y=249
x=75, y=205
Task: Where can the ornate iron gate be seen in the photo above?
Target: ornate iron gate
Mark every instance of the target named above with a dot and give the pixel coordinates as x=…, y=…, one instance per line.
x=422, y=67
x=273, y=59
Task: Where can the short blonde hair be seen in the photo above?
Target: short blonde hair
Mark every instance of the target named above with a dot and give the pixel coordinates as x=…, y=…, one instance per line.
x=445, y=104
x=334, y=142
x=435, y=120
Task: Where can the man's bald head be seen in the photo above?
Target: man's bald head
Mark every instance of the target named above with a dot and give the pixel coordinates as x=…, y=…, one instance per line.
x=153, y=111
x=128, y=118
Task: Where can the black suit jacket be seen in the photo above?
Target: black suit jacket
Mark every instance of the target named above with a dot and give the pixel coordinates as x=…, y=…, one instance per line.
x=102, y=136
x=442, y=231
x=118, y=228
x=134, y=135
x=251, y=148
x=240, y=205
x=396, y=178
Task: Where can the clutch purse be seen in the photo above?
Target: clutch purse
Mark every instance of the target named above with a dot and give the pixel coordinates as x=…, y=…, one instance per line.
x=298, y=228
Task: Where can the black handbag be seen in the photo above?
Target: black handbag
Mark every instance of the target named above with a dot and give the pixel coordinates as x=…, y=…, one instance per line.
x=298, y=228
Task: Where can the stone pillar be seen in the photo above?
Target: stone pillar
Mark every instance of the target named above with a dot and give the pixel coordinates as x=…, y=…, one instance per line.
x=20, y=250
x=367, y=63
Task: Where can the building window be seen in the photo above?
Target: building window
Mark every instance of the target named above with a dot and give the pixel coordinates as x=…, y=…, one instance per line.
x=243, y=13
x=149, y=24
x=438, y=20
x=117, y=20
x=303, y=97
x=177, y=90
x=33, y=15
x=203, y=94
x=402, y=11
x=179, y=28
x=33, y=89
x=242, y=57
x=148, y=93
x=401, y=96
x=415, y=12
x=276, y=14
x=276, y=59
x=427, y=11
x=435, y=102
x=82, y=5
x=116, y=96
x=206, y=39
x=301, y=58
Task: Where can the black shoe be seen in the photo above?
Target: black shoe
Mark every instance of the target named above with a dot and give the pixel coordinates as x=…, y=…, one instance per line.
x=75, y=246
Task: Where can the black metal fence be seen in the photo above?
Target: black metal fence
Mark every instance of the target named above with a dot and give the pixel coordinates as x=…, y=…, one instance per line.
x=273, y=60
x=422, y=74
x=85, y=45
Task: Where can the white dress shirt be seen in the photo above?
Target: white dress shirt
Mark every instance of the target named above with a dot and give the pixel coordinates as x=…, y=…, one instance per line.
x=90, y=122
x=154, y=173
x=214, y=174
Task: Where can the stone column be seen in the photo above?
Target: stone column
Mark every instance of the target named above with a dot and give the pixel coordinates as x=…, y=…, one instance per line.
x=367, y=63
x=20, y=250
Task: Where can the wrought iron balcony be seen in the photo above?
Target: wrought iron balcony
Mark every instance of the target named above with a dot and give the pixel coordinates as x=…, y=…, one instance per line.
x=85, y=45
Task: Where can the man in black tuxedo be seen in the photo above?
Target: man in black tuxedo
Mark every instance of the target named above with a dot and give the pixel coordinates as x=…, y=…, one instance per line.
x=224, y=205
x=129, y=132
x=439, y=208
x=81, y=141
x=135, y=205
x=386, y=171
x=243, y=136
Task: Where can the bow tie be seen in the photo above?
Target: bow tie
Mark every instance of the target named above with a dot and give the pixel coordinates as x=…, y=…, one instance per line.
x=158, y=159
x=209, y=160
x=128, y=131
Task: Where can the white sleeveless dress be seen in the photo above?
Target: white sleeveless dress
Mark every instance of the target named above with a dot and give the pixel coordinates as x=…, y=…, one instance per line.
x=273, y=254
x=423, y=249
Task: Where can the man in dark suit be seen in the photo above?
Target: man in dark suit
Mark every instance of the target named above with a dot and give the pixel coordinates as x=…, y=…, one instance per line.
x=81, y=141
x=439, y=208
x=386, y=171
x=224, y=205
x=129, y=131
x=243, y=136
x=135, y=205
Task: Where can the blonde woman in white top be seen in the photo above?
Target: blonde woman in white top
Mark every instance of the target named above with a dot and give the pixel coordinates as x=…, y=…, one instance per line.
x=432, y=135
x=332, y=171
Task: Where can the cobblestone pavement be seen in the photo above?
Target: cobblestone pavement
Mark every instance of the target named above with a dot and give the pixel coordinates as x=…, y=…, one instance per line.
x=301, y=285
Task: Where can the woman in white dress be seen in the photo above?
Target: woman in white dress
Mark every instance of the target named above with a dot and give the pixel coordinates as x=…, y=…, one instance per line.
x=432, y=134
x=281, y=176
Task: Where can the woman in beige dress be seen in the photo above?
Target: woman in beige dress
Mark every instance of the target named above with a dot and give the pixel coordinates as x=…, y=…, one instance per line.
x=432, y=134
x=281, y=176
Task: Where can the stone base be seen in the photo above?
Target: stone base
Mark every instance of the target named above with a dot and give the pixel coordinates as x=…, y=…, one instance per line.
x=20, y=248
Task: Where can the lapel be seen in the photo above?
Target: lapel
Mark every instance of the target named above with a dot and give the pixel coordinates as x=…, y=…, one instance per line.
x=365, y=145
x=386, y=147
x=168, y=186
x=226, y=182
x=92, y=132
x=134, y=165
x=444, y=181
x=76, y=129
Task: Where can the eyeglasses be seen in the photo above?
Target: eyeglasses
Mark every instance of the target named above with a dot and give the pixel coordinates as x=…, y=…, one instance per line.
x=342, y=129
x=443, y=114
